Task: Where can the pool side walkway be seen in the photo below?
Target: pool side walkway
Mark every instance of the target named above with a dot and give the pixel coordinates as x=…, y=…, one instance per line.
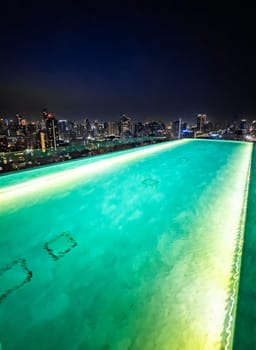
x=245, y=326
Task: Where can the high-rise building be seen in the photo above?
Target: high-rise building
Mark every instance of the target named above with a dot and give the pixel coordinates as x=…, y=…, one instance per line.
x=63, y=129
x=4, y=126
x=113, y=128
x=63, y=125
x=253, y=128
x=19, y=119
x=52, y=134
x=126, y=126
x=242, y=125
x=139, y=130
x=50, y=128
x=176, y=128
x=3, y=143
x=45, y=113
x=155, y=128
x=21, y=125
x=98, y=128
x=200, y=122
x=88, y=125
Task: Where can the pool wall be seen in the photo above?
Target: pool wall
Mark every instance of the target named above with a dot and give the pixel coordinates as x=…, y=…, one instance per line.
x=245, y=324
x=229, y=330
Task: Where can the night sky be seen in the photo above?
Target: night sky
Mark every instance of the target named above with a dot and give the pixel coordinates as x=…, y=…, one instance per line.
x=150, y=61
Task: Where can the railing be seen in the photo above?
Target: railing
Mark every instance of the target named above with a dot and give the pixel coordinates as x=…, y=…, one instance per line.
x=28, y=158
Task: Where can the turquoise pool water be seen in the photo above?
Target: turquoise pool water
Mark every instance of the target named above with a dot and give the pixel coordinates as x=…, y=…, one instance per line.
x=135, y=250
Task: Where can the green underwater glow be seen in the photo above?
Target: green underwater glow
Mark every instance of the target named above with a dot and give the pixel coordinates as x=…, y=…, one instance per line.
x=135, y=250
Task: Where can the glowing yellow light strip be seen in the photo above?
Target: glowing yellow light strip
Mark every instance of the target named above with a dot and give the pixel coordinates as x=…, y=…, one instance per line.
x=65, y=176
x=229, y=237
x=236, y=274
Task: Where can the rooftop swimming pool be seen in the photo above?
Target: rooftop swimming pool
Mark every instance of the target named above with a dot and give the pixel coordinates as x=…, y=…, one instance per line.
x=139, y=249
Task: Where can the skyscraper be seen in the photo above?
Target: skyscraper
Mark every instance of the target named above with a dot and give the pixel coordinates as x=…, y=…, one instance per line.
x=52, y=135
x=253, y=128
x=200, y=122
x=176, y=128
x=126, y=126
x=51, y=129
x=242, y=125
x=113, y=128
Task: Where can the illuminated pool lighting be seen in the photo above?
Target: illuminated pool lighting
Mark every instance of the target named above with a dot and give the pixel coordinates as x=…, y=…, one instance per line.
x=136, y=250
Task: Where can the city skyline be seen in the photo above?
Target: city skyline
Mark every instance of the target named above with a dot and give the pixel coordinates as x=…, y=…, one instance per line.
x=147, y=61
x=191, y=121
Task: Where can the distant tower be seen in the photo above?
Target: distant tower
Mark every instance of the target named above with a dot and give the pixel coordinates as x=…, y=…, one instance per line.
x=126, y=126
x=113, y=128
x=52, y=134
x=200, y=122
x=253, y=128
x=44, y=113
x=176, y=128
x=19, y=119
x=51, y=129
x=242, y=125
x=88, y=125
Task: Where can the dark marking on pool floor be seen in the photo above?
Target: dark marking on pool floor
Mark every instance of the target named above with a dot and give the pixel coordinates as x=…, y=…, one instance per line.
x=13, y=276
x=60, y=245
x=150, y=182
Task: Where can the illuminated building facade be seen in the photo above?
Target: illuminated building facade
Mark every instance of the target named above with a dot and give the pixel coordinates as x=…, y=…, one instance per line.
x=51, y=130
x=113, y=128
